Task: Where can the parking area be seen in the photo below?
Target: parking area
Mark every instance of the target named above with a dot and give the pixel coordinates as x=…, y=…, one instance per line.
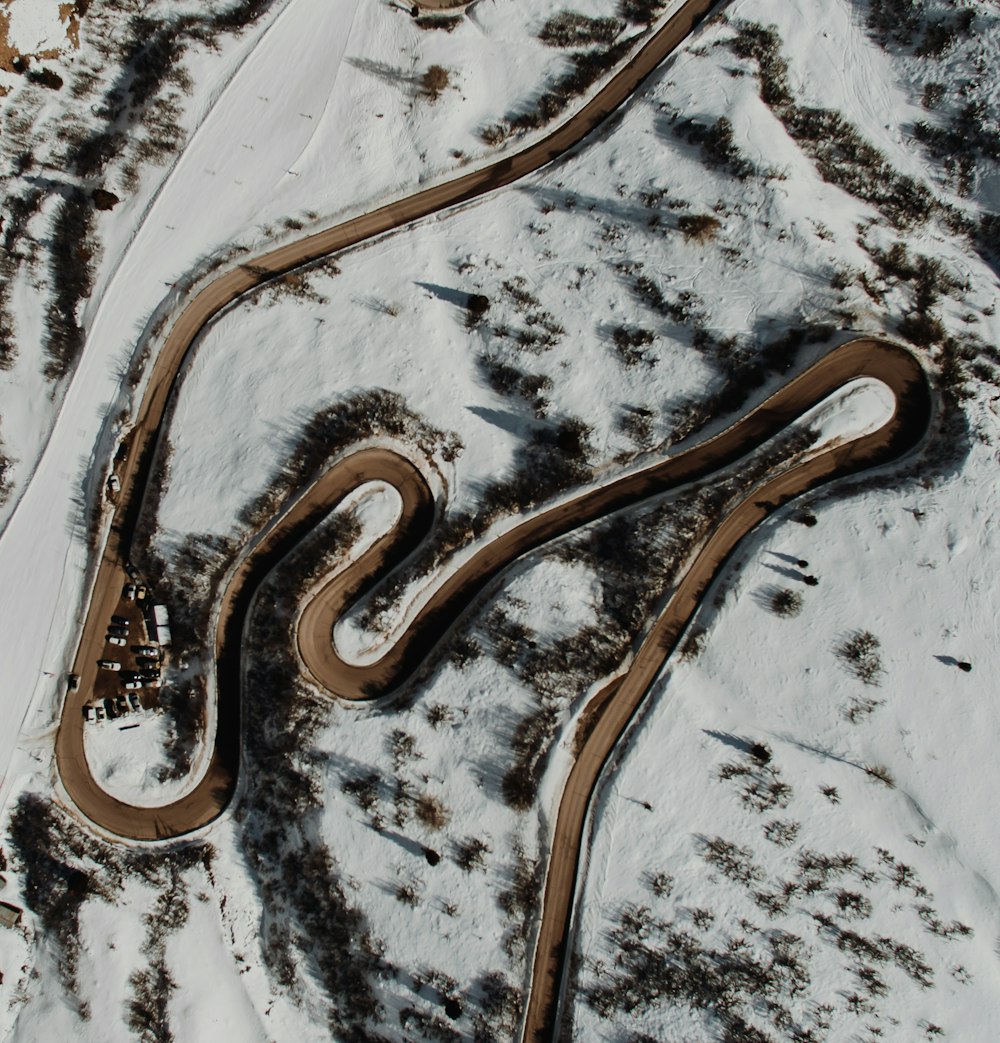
x=132, y=659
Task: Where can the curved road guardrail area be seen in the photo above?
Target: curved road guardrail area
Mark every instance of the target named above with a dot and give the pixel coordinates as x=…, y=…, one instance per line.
x=609, y=713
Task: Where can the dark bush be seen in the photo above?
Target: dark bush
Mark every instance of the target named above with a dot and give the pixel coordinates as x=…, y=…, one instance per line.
x=699, y=227
x=476, y=308
x=922, y=329
x=8, y=341
x=630, y=341
x=569, y=29
x=860, y=651
x=641, y=12
x=434, y=81
x=471, y=854
x=717, y=145
x=46, y=77
x=70, y=263
x=104, y=200
x=786, y=602
x=531, y=748
x=933, y=93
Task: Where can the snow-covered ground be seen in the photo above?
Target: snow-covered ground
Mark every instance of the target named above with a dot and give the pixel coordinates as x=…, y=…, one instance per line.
x=127, y=759
x=359, y=129
x=570, y=253
x=907, y=566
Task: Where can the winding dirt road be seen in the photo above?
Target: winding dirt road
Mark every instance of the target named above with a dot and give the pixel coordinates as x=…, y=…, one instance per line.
x=894, y=366
x=211, y=795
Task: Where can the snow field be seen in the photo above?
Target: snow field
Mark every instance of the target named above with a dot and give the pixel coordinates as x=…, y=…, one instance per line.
x=913, y=565
x=149, y=228
x=225, y=195
x=774, y=281
x=918, y=586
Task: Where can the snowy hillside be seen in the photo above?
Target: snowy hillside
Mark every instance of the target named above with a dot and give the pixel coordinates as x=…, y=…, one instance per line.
x=794, y=840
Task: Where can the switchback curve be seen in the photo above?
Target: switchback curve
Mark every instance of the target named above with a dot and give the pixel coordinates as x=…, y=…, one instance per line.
x=896, y=367
x=210, y=796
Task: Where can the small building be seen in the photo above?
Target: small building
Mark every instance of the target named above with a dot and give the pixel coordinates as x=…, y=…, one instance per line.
x=10, y=915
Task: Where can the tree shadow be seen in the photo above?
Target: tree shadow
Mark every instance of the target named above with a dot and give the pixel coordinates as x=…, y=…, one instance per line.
x=790, y=558
x=795, y=574
x=446, y=293
x=386, y=73
x=728, y=739
x=502, y=418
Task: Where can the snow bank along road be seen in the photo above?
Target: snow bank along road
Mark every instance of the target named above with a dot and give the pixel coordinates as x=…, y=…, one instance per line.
x=894, y=366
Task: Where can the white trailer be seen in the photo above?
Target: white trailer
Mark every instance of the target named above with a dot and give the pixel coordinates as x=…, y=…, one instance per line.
x=161, y=626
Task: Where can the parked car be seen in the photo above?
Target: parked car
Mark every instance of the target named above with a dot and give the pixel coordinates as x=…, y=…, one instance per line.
x=118, y=631
x=88, y=715
x=141, y=591
x=133, y=682
x=109, y=664
x=73, y=681
x=121, y=707
x=129, y=591
x=150, y=682
x=120, y=621
x=150, y=651
x=99, y=713
x=114, y=639
x=134, y=702
x=109, y=708
x=114, y=485
x=133, y=572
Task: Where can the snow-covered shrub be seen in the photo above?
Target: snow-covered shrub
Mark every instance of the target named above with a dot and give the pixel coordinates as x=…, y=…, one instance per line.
x=860, y=651
x=570, y=29
x=785, y=602
x=700, y=228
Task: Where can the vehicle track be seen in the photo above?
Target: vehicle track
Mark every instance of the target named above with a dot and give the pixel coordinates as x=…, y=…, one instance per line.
x=870, y=357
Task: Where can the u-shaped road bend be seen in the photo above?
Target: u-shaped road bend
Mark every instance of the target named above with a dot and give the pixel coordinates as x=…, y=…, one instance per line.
x=611, y=714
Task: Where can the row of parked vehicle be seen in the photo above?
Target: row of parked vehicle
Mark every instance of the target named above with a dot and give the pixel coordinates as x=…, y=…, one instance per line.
x=147, y=676
x=112, y=707
x=117, y=631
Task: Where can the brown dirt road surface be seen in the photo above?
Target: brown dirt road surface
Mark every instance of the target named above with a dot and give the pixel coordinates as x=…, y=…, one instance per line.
x=897, y=368
x=208, y=799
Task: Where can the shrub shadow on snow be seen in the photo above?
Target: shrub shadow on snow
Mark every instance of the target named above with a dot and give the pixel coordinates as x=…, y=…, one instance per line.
x=492, y=768
x=591, y=206
x=783, y=570
x=410, y=846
